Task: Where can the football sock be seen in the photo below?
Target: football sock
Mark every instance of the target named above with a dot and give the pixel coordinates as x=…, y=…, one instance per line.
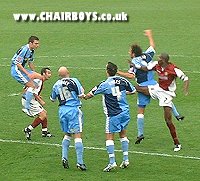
x=79, y=150
x=36, y=122
x=125, y=144
x=30, y=127
x=65, y=146
x=140, y=124
x=29, y=96
x=44, y=129
x=174, y=110
x=172, y=130
x=110, y=150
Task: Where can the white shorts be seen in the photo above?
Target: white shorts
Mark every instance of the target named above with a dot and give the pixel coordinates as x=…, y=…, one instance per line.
x=164, y=97
x=35, y=107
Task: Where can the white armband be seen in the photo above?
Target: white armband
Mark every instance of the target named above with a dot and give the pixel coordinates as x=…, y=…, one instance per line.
x=151, y=64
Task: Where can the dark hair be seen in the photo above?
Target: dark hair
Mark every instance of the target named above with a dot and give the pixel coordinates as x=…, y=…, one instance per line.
x=136, y=49
x=164, y=56
x=32, y=38
x=44, y=70
x=111, y=68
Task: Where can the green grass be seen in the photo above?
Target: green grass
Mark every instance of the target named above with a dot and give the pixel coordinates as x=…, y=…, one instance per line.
x=86, y=47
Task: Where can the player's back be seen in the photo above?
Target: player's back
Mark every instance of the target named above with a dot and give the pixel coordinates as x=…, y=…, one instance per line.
x=114, y=94
x=67, y=91
x=144, y=78
x=23, y=55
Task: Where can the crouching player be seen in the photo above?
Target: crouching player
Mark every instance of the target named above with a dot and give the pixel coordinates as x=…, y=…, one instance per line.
x=36, y=106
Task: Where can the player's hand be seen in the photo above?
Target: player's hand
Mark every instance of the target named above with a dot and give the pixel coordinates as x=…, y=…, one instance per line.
x=148, y=33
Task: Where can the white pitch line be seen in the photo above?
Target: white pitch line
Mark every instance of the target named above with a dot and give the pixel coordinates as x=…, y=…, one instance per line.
x=98, y=55
x=95, y=148
x=95, y=68
x=14, y=94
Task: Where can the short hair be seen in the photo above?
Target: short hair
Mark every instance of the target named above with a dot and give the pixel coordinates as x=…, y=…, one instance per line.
x=136, y=49
x=164, y=56
x=44, y=70
x=111, y=68
x=32, y=39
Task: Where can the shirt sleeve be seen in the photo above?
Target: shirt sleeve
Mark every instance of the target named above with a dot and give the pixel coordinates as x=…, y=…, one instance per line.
x=151, y=65
x=80, y=87
x=151, y=52
x=180, y=74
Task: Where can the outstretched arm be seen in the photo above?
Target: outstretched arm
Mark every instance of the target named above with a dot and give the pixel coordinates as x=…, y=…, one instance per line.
x=88, y=96
x=126, y=74
x=148, y=33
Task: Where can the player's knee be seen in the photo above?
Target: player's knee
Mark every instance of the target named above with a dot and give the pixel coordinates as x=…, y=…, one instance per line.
x=124, y=139
x=43, y=115
x=109, y=142
x=76, y=140
x=140, y=116
x=67, y=137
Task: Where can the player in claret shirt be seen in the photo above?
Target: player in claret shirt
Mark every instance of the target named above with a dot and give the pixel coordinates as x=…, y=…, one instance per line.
x=165, y=90
x=36, y=106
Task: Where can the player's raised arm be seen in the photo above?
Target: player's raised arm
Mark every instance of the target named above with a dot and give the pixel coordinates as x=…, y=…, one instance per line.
x=149, y=34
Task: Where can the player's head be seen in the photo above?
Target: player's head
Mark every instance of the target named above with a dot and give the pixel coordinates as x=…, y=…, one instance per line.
x=135, y=51
x=46, y=73
x=63, y=72
x=111, y=69
x=33, y=42
x=163, y=59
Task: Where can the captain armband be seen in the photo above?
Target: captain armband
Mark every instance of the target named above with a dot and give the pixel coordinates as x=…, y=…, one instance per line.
x=184, y=77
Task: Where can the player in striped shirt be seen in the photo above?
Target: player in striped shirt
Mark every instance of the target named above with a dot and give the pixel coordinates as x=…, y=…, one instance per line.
x=143, y=78
x=25, y=55
x=68, y=91
x=116, y=109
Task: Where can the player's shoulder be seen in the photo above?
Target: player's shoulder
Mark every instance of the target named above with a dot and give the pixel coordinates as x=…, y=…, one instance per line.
x=58, y=82
x=25, y=47
x=104, y=82
x=150, y=50
x=171, y=66
x=74, y=80
x=136, y=60
x=121, y=80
